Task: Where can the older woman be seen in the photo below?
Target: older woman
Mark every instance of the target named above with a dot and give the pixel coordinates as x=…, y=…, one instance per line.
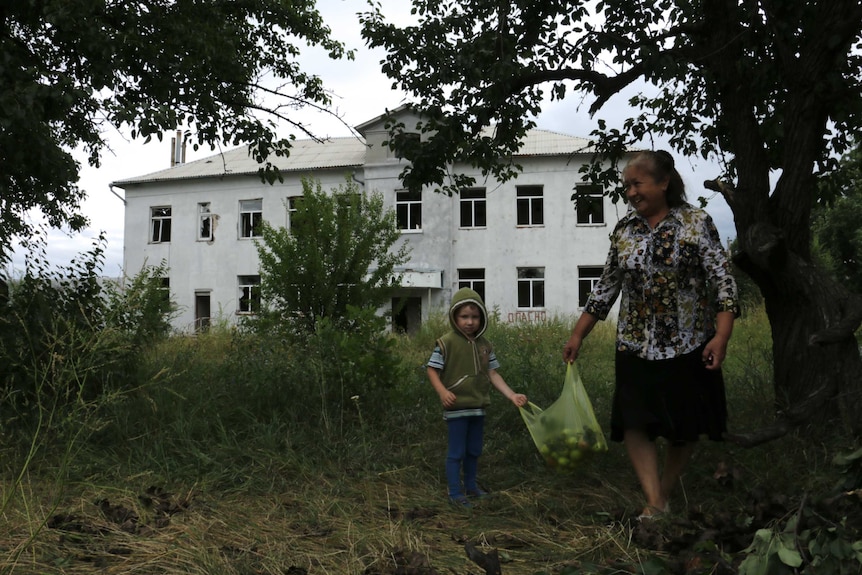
x=678, y=304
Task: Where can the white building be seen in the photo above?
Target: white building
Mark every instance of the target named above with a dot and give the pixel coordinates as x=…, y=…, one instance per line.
x=524, y=245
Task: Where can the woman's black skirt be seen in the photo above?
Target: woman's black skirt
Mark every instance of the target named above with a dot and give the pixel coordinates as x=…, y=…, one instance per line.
x=678, y=399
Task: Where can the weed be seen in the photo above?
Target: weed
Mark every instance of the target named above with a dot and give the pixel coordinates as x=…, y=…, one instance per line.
x=239, y=453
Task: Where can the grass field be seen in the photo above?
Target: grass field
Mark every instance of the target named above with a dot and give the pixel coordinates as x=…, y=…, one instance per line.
x=241, y=454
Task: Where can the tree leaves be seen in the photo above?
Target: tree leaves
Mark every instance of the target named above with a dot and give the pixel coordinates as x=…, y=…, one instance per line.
x=71, y=70
x=335, y=255
x=716, y=78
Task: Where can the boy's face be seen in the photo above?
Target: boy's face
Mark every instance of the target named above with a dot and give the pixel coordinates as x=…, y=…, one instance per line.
x=468, y=319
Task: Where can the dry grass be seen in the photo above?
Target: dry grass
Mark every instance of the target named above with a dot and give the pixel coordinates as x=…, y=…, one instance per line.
x=374, y=520
x=316, y=523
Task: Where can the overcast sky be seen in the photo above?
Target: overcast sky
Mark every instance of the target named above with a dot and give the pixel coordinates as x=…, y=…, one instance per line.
x=361, y=93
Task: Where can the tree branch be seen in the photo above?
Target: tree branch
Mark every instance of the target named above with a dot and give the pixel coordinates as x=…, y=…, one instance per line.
x=788, y=420
x=844, y=329
x=760, y=436
x=726, y=189
x=604, y=86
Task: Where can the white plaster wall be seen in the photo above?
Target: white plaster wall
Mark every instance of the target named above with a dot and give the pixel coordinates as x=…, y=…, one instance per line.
x=205, y=266
x=560, y=245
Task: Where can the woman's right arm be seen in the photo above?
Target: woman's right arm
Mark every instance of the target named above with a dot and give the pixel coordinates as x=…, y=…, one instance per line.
x=603, y=296
x=582, y=328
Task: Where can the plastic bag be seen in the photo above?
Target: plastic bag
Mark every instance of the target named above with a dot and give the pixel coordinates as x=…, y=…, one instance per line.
x=567, y=432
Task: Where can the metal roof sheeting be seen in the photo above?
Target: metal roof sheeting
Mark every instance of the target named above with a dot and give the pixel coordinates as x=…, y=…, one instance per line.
x=546, y=143
x=332, y=153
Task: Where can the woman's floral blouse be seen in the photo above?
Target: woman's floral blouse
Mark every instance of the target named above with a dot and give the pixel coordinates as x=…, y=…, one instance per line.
x=673, y=279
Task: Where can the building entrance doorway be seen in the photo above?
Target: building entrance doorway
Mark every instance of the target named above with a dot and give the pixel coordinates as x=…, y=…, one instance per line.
x=406, y=314
x=202, y=311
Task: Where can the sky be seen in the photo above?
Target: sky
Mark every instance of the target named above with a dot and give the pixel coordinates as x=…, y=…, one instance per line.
x=361, y=92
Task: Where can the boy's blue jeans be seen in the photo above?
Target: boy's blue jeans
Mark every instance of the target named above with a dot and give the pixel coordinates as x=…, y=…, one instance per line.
x=465, y=447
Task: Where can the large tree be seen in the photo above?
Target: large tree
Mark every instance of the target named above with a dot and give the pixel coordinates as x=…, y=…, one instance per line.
x=72, y=71
x=769, y=87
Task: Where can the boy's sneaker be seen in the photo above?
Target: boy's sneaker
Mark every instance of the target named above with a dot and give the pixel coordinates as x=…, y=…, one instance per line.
x=460, y=501
x=477, y=493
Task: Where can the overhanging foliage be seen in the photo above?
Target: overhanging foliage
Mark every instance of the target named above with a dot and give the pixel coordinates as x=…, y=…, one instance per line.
x=74, y=70
x=771, y=89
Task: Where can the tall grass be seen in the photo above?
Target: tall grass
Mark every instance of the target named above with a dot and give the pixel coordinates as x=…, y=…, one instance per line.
x=210, y=403
x=220, y=407
x=327, y=455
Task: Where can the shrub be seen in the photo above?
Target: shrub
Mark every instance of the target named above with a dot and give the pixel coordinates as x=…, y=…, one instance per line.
x=337, y=253
x=69, y=342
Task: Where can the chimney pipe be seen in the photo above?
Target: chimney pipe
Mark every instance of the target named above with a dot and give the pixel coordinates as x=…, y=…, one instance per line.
x=178, y=149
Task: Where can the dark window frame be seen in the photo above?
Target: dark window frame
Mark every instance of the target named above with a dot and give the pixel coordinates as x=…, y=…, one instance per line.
x=530, y=205
x=531, y=288
x=473, y=208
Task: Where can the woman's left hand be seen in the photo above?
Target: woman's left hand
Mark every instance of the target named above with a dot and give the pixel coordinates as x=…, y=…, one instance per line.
x=714, y=352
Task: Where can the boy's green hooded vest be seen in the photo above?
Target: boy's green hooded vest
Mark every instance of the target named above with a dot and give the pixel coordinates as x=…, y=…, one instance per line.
x=465, y=371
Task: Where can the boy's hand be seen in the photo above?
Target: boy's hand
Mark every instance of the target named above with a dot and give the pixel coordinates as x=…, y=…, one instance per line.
x=447, y=398
x=519, y=399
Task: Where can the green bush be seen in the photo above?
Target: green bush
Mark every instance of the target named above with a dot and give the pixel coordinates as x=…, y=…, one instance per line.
x=338, y=252
x=66, y=338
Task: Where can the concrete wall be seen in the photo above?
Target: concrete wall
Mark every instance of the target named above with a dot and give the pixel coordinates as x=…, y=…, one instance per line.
x=441, y=246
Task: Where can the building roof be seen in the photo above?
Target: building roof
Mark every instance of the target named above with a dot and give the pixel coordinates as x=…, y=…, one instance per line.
x=546, y=143
x=331, y=153
x=304, y=155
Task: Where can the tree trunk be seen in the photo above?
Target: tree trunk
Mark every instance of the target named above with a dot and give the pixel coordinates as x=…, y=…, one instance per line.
x=817, y=364
x=818, y=370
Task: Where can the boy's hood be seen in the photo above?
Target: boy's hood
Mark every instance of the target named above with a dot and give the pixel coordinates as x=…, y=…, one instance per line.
x=464, y=296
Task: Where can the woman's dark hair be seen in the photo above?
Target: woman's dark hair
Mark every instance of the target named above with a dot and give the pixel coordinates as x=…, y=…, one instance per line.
x=659, y=164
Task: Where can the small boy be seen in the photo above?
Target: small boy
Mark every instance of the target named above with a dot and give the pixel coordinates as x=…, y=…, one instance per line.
x=462, y=368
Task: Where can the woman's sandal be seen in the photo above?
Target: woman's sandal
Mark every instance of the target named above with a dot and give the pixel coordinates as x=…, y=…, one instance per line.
x=650, y=512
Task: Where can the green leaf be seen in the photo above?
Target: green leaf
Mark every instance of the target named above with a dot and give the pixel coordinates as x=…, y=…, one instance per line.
x=789, y=556
x=144, y=67
x=754, y=565
x=844, y=459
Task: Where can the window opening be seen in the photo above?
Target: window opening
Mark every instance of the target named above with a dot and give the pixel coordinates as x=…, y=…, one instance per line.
x=408, y=210
x=588, y=277
x=531, y=287
x=205, y=217
x=473, y=278
x=473, y=204
x=249, y=294
x=160, y=224
x=590, y=204
x=530, y=205
x=250, y=218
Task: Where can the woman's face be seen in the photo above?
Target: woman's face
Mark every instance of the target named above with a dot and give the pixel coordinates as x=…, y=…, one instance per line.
x=645, y=194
